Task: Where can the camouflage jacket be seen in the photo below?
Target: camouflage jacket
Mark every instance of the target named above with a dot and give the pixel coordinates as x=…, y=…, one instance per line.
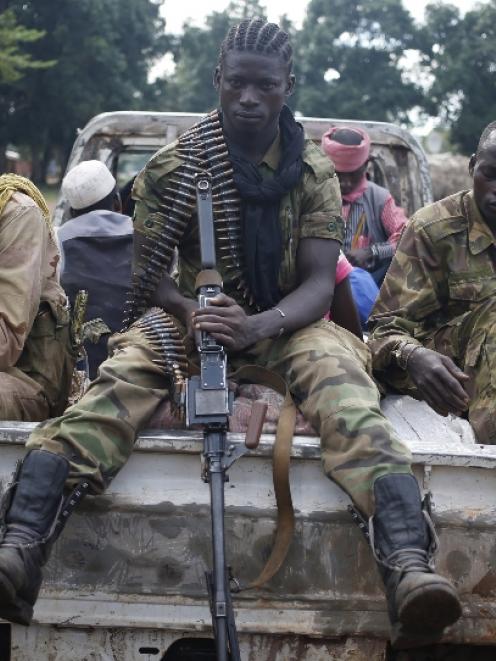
x=444, y=267
x=311, y=209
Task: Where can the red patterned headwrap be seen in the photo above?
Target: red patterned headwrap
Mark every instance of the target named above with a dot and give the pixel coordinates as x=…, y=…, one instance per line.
x=346, y=158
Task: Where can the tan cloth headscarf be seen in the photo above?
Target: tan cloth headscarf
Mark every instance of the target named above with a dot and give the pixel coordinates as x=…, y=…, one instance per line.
x=11, y=183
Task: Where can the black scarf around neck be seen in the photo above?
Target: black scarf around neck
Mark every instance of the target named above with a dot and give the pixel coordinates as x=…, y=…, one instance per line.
x=260, y=201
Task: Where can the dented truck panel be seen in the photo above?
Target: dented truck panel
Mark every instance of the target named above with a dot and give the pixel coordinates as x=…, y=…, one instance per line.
x=130, y=565
x=398, y=162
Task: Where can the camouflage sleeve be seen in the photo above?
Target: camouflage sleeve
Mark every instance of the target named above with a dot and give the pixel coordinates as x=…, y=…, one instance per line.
x=321, y=217
x=149, y=183
x=149, y=208
x=321, y=198
x=410, y=292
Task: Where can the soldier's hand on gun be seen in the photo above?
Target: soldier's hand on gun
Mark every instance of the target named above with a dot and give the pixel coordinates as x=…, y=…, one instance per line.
x=439, y=381
x=227, y=322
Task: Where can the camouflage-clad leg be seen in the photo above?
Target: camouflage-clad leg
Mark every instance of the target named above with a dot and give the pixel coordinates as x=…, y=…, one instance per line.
x=328, y=373
x=470, y=341
x=97, y=434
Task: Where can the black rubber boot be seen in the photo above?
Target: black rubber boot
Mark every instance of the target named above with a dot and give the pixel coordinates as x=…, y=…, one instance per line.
x=29, y=527
x=421, y=603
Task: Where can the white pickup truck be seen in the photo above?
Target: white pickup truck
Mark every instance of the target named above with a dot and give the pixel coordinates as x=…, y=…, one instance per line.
x=126, y=579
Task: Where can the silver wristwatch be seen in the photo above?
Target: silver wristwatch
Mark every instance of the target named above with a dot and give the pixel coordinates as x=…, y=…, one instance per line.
x=403, y=351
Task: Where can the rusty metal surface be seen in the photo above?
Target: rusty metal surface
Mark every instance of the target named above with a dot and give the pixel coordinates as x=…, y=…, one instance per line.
x=50, y=644
x=399, y=163
x=135, y=557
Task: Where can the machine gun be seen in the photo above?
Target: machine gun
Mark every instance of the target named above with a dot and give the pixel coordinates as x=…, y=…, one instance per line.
x=209, y=403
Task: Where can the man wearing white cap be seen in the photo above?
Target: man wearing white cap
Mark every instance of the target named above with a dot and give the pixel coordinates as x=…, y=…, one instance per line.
x=96, y=248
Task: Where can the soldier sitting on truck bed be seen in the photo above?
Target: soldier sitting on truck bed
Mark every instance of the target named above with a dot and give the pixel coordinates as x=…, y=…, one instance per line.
x=35, y=354
x=279, y=229
x=433, y=323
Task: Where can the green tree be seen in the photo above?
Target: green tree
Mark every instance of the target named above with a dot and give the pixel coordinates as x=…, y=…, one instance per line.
x=14, y=61
x=195, y=56
x=348, y=60
x=461, y=57
x=103, y=50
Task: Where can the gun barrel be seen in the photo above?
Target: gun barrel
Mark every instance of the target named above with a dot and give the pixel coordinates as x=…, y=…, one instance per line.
x=205, y=220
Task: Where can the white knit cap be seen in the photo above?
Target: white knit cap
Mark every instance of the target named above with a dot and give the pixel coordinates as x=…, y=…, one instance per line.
x=87, y=183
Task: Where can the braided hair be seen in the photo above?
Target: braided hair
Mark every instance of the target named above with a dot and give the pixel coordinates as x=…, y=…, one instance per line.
x=485, y=137
x=257, y=36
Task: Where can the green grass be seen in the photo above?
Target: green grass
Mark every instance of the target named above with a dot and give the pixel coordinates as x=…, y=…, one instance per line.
x=50, y=193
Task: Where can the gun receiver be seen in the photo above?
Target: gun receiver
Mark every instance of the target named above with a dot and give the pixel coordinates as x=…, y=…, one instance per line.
x=208, y=403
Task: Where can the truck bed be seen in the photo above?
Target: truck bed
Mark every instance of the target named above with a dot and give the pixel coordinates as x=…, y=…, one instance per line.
x=128, y=571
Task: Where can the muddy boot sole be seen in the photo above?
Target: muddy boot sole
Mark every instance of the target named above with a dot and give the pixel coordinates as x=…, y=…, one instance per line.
x=429, y=608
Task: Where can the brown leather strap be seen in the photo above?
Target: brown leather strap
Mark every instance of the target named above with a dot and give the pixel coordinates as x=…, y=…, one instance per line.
x=280, y=468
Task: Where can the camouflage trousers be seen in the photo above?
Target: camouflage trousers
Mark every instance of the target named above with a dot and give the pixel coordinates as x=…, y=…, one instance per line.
x=470, y=341
x=328, y=373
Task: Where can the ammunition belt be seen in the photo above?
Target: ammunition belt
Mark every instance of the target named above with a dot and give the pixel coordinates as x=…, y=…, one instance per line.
x=163, y=334
x=203, y=149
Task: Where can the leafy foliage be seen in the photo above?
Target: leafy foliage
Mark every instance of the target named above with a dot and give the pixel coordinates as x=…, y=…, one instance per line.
x=196, y=53
x=14, y=61
x=103, y=50
x=461, y=58
x=348, y=62
x=63, y=61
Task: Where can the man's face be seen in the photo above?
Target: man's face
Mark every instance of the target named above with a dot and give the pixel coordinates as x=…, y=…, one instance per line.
x=252, y=91
x=348, y=181
x=484, y=172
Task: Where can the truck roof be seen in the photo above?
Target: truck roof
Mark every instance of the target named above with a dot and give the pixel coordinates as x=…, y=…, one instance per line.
x=124, y=140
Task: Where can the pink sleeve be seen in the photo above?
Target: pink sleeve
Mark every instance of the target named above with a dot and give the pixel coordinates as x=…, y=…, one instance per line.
x=393, y=220
x=343, y=268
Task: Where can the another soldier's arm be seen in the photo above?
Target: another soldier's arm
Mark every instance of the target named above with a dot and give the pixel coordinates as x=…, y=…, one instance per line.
x=410, y=293
x=343, y=309
x=439, y=381
x=23, y=238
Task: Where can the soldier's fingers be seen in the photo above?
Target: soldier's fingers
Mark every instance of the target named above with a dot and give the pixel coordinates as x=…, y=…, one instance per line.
x=214, y=311
x=207, y=323
x=441, y=410
x=454, y=389
x=226, y=340
x=444, y=391
x=433, y=398
x=455, y=370
x=222, y=299
x=214, y=327
x=437, y=395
